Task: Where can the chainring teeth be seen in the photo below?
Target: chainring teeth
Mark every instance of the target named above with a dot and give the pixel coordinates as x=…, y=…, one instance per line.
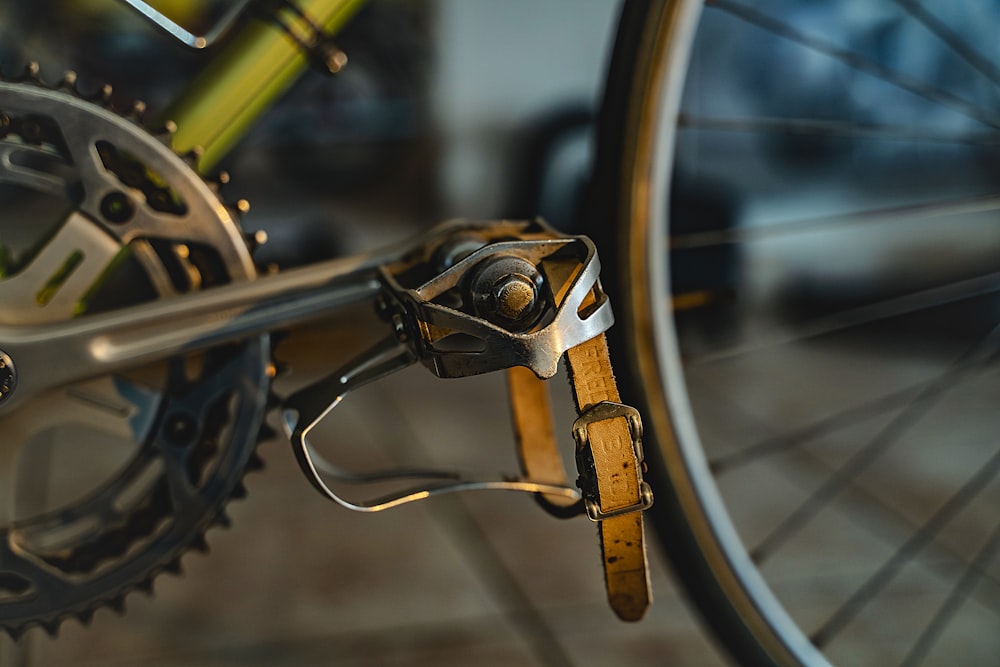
x=101, y=95
x=163, y=131
x=171, y=561
x=156, y=533
x=195, y=187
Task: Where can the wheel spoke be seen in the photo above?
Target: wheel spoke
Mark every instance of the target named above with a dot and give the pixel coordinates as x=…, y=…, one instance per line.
x=884, y=523
x=879, y=311
x=860, y=506
x=973, y=574
x=891, y=214
x=856, y=61
x=924, y=536
x=778, y=444
x=834, y=128
x=954, y=41
x=878, y=445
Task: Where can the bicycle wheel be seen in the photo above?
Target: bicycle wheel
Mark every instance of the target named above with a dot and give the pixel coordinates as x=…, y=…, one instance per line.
x=803, y=264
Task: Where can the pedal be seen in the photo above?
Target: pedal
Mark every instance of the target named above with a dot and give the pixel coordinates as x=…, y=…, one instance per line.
x=477, y=298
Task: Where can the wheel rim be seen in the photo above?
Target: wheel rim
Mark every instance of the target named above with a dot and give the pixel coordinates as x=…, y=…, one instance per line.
x=654, y=352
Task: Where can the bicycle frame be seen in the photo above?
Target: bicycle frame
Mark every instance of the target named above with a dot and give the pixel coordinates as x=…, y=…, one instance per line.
x=247, y=77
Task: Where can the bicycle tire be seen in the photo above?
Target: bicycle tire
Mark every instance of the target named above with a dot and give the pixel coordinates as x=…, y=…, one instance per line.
x=636, y=155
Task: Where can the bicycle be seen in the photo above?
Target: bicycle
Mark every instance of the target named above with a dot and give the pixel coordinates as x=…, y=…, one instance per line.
x=648, y=75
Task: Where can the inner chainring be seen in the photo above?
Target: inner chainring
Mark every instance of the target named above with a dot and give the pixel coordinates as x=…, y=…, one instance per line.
x=109, y=481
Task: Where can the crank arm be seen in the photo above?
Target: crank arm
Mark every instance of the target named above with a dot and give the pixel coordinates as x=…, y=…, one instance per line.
x=36, y=358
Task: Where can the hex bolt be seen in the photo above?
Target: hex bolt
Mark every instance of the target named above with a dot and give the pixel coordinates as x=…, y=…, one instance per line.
x=160, y=200
x=116, y=207
x=515, y=296
x=506, y=290
x=31, y=131
x=333, y=58
x=180, y=429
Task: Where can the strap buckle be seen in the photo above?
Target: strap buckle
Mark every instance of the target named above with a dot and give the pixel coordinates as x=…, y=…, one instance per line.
x=589, y=478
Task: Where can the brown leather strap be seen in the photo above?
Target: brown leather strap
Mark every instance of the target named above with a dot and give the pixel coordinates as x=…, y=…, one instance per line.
x=617, y=470
x=537, y=447
x=610, y=465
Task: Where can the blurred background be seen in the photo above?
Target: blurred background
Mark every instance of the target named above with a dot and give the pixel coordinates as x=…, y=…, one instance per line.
x=833, y=249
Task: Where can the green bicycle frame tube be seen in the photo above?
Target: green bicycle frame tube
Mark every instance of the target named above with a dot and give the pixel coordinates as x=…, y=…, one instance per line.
x=245, y=78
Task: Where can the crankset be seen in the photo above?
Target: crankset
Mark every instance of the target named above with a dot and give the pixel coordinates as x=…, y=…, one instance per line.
x=110, y=477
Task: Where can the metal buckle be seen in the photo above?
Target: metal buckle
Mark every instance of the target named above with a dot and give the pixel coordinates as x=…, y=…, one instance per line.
x=604, y=411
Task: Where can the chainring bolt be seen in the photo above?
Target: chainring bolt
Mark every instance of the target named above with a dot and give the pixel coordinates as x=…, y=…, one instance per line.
x=116, y=207
x=180, y=429
x=31, y=131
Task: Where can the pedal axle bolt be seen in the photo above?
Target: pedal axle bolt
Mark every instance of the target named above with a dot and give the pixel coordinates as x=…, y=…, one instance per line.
x=515, y=296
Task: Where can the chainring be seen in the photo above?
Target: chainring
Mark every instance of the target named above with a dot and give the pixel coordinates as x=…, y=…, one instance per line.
x=109, y=481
